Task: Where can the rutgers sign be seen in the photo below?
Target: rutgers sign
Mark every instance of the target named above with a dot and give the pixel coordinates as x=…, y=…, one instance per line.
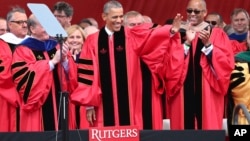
x=124, y=133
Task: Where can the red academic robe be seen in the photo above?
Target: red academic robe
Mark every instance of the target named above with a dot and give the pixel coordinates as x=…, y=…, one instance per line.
x=39, y=87
x=238, y=46
x=215, y=81
x=149, y=44
x=9, y=98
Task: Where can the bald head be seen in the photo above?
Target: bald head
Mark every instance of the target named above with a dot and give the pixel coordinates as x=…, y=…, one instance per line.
x=196, y=12
x=147, y=19
x=94, y=22
x=201, y=3
x=90, y=30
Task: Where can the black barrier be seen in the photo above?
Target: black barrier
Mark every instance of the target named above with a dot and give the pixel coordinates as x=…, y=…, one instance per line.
x=145, y=135
x=239, y=132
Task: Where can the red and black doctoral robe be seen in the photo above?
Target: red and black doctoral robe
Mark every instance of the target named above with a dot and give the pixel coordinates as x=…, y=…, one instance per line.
x=200, y=103
x=110, y=78
x=9, y=98
x=39, y=87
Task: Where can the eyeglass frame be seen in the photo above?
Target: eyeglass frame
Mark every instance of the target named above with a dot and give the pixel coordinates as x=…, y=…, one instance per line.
x=196, y=12
x=60, y=16
x=212, y=22
x=21, y=22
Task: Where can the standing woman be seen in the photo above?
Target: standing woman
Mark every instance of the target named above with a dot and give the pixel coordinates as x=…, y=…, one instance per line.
x=75, y=40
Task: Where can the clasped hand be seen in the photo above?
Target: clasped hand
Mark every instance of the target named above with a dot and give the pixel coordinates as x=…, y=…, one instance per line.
x=204, y=35
x=57, y=58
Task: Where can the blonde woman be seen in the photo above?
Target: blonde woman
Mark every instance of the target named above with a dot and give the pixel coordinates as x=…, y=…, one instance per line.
x=75, y=40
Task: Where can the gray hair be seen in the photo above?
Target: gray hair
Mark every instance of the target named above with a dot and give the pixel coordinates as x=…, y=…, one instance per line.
x=14, y=10
x=111, y=4
x=132, y=14
x=236, y=11
x=32, y=21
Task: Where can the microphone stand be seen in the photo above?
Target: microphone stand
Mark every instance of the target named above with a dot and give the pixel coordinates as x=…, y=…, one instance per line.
x=64, y=100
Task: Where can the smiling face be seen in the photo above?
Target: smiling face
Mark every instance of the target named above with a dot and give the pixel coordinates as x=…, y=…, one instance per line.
x=196, y=11
x=113, y=19
x=240, y=22
x=75, y=40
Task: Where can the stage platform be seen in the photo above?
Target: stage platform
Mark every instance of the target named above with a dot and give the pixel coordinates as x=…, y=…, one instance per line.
x=145, y=135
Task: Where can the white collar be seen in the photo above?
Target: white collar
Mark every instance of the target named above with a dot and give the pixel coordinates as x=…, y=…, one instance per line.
x=109, y=32
x=11, y=38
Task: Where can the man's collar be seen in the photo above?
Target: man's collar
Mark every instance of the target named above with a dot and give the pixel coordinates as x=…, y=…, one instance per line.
x=110, y=33
x=197, y=28
x=11, y=38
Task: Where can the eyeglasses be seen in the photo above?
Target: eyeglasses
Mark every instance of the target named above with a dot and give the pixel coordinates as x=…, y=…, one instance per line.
x=212, y=22
x=190, y=11
x=20, y=22
x=60, y=16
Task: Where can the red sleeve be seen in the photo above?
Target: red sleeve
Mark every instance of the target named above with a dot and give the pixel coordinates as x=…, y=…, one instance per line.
x=162, y=52
x=7, y=87
x=88, y=91
x=218, y=74
x=173, y=66
x=32, y=78
x=69, y=78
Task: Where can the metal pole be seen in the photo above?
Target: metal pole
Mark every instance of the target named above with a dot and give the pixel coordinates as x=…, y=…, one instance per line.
x=64, y=109
x=65, y=119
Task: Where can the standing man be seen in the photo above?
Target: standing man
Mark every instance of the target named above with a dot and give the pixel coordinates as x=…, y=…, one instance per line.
x=63, y=11
x=209, y=62
x=109, y=73
x=9, y=98
x=37, y=73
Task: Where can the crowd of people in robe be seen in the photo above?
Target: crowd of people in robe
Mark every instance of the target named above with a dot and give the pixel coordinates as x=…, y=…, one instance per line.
x=130, y=72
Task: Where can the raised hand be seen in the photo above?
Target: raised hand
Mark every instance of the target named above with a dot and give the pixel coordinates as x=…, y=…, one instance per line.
x=65, y=50
x=57, y=58
x=176, y=23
